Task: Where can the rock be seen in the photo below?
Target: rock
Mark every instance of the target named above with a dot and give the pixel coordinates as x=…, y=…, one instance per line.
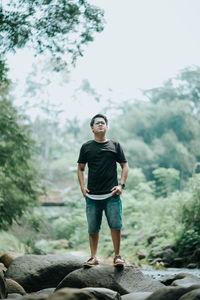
x=139, y=237
x=136, y=296
x=141, y=254
x=192, y=266
x=181, y=279
x=8, y=257
x=37, y=272
x=14, y=287
x=27, y=297
x=178, y=262
x=170, y=293
x=154, y=252
x=167, y=280
x=168, y=255
x=98, y=293
x=13, y=296
x=152, y=236
x=125, y=234
x=44, y=292
x=71, y=294
x=185, y=280
x=173, y=247
x=123, y=280
x=2, y=267
x=103, y=293
x=193, y=295
x=196, y=255
x=156, y=260
x=3, y=286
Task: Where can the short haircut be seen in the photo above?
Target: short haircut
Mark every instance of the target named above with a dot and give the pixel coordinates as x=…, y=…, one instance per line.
x=98, y=116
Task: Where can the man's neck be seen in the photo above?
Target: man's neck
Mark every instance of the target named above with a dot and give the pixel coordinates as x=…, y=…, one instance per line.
x=100, y=139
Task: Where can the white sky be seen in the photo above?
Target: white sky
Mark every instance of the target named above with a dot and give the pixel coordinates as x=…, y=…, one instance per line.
x=144, y=43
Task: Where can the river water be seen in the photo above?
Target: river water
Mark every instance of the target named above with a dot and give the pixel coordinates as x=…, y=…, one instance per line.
x=160, y=273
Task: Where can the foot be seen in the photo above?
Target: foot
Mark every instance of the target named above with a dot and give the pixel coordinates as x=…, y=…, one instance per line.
x=93, y=261
x=118, y=261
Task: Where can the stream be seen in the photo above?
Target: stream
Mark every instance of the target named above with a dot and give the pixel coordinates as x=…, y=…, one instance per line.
x=160, y=273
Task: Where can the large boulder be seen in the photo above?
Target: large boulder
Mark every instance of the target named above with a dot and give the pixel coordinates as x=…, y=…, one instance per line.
x=7, y=257
x=44, y=292
x=3, y=286
x=171, y=293
x=2, y=267
x=181, y=279
x=36, y=272
x=137, y=296
x=193, y=295
x=103, y=293
x=123, y=280
x=26, y=297
x=14, y=287
x=98, y=293
x=71, y=294
x=185, y=280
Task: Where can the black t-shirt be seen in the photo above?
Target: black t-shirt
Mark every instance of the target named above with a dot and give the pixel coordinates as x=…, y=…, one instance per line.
x=102, y=167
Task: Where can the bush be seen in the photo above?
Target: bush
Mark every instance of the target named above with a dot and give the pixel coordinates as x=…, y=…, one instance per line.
x=8, y=242
x=18, y=180
x=189, y=237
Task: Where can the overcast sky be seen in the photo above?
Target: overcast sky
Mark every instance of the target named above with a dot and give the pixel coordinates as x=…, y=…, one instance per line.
x=144, y=43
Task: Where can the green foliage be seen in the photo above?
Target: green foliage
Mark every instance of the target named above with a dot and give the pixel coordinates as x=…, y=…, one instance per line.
x=18, y=183
x=9, y=242
x=161, y=141
x=191, y=208
x=155, y=134
x=167, y=180
x=185, y=86
x=4, y=81
x=143, y=216
x=135, y=177
x=73, y=225
x=159, y=135
x=58, y=28
x=189, y=237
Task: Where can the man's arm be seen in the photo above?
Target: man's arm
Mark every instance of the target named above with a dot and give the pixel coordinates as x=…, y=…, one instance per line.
x=124, y=173
x=118, y=189
x=81, y=178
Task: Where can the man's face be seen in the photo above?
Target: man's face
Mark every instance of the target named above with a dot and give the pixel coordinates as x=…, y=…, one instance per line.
x=99, y=125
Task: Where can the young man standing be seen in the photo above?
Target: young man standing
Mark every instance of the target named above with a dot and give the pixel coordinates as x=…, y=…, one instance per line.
x=103, y=191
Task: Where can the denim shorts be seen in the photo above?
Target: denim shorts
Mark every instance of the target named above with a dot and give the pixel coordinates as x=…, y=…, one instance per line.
x=113, y=211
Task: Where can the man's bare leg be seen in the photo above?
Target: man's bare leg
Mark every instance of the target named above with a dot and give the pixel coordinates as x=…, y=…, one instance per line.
x=94, y=238
x=116, y=238
x=93, y=261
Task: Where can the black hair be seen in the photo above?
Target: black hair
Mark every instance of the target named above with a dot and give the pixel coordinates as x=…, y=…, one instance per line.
x=98, y=116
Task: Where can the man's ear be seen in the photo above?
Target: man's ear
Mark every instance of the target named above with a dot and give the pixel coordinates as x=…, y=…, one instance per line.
x=92, y=128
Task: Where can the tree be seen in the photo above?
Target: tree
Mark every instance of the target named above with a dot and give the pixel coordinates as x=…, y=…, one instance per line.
x=184, y=87
x=18, y=180
x=159, y=135
x=57, y=28
x=188, y=239
x=167, y=180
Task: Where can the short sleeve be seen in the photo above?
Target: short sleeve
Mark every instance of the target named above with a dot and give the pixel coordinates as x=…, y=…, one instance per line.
x=82, y=156
x=120, y=154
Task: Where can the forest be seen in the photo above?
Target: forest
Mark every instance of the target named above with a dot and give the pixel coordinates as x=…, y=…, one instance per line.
x=161, y=138
x=41, y=207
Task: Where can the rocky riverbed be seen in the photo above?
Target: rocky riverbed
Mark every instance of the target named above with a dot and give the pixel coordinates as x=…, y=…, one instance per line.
x=62, y=277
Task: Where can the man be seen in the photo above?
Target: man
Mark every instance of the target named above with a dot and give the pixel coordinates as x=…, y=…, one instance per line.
x=103, y=191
